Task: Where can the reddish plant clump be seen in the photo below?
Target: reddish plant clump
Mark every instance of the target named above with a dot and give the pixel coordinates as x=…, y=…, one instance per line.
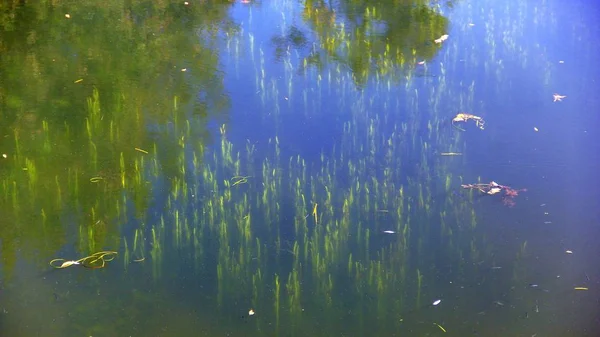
x=508, y=193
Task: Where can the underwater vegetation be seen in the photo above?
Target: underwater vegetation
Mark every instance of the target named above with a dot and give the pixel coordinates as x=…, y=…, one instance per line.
x=362, y=225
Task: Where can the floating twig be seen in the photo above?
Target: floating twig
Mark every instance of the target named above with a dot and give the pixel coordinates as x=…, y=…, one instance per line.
x=94, y=261
x=508, y=193
x=465, y=117
x=236, y=180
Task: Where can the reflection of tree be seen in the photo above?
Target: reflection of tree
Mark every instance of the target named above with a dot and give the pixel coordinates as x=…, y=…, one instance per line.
x=294, y=38
x=78, y=93
x=385, y=36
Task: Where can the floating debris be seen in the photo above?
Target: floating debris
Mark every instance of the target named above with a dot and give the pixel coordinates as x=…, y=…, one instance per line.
x=558, y=98
x=389, y=232
x=495, y=188
x=441, y=39
x=236, y=180
x=441, y=327
x=569, y=251
x=580, y=288
x=451, y=154
x=465, y=117
x=251, y=312
x=94, y=261
x=535, y=129
x=436, y=302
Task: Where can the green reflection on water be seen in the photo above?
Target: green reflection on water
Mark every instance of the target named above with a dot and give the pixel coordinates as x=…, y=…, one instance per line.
x=81, y=87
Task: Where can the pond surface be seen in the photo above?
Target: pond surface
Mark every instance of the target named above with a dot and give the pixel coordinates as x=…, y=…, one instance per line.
x=299, y=168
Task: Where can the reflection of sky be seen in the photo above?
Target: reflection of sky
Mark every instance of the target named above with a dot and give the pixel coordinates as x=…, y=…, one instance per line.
x=305, y=136
x=513, y=103
x=552, y=53
x=540, y=49
x=561, y=160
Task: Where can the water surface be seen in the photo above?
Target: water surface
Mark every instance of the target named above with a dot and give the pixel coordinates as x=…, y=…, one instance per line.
x=276, y=168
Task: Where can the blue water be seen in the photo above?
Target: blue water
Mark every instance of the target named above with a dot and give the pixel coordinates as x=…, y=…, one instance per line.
x=503, y=61
x=550, y=148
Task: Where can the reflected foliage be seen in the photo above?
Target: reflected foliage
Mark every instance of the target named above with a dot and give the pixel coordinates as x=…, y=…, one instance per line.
x=295, y=38
x=81, y=86
x=374, y=37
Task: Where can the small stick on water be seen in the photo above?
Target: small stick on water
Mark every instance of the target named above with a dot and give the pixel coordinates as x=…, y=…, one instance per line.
x=508, y=193
x=464, y=117
x=441, y=327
